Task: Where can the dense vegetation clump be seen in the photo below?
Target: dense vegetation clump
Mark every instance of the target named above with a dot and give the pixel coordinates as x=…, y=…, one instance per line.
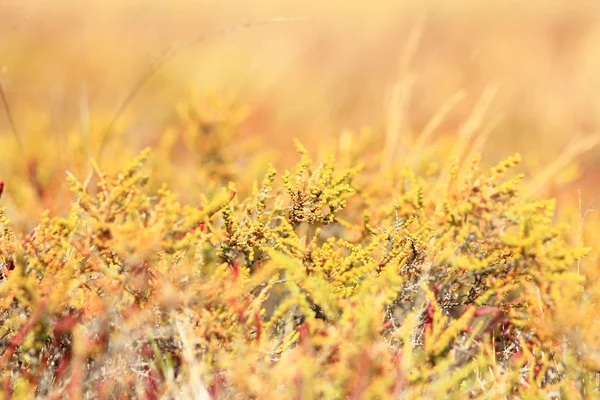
x=318, y=283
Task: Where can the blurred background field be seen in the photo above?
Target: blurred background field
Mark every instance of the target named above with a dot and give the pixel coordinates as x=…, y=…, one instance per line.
x=527, y=75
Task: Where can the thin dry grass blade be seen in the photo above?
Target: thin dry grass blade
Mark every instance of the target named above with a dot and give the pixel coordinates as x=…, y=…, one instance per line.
x=576, y=148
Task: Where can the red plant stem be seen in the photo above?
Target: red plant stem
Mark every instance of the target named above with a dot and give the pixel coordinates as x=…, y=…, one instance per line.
x=64, y=365
x=258, y=325
x=18, y=339
x=359, y=383
x=304, y=332
x=8, y=392
x=235, y=268
x=216, y=387
x=151, y=386
x=428, y=322
x=387, y=325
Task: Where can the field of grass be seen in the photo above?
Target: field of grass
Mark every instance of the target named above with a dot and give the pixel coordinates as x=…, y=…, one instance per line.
x=302, y=199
